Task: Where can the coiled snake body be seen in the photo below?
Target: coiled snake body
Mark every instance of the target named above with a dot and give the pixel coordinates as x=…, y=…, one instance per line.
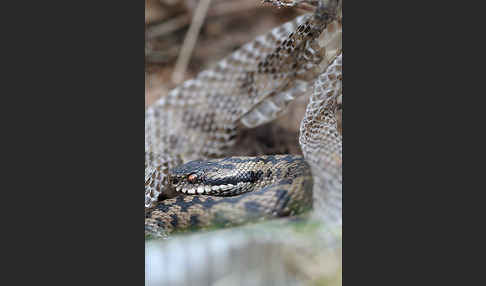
x=202, y=119
x=233, y=191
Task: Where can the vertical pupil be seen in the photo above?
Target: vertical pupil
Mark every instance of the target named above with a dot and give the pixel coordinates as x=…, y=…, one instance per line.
x=192, y=178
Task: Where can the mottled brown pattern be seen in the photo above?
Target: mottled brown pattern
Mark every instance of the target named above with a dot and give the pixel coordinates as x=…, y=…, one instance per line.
x=203, y=117
x=283, y=188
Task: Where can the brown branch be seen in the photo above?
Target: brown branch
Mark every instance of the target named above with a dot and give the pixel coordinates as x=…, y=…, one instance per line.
x=190, y=41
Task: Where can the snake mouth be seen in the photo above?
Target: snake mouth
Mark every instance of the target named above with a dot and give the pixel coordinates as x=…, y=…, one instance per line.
x=215, y=190
x=217, y=177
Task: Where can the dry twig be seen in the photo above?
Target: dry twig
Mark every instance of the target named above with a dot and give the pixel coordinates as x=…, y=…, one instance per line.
x=190, y=41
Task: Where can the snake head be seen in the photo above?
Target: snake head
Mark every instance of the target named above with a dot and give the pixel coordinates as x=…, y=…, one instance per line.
x=217, y=177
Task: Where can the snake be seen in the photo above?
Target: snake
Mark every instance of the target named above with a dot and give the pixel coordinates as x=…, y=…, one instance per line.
x=196, y=177
x=190, y=183
x=233, y=191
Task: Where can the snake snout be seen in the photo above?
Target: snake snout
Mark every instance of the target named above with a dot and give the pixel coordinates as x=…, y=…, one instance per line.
x=219, y=177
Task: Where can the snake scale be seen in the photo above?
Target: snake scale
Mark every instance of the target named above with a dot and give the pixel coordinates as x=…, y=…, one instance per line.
x=199, y=122
x=249, y=188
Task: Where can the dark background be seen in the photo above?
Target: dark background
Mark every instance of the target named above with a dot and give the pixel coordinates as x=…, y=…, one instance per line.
x=72, y=81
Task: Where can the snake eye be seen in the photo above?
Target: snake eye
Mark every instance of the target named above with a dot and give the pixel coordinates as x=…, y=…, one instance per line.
x=192, y=178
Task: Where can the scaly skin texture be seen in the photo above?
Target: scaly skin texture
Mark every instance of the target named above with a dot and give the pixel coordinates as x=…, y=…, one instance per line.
x=264, y=187
x=283, y=251
x=278, y=252
x=321, y=143
x=202, y=118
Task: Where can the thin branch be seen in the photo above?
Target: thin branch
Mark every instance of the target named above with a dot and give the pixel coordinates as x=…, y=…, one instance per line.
x=168, y=26
x=190, y=41
x=181, y=21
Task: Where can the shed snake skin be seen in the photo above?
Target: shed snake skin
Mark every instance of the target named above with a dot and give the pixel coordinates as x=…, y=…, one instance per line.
x=203, y=117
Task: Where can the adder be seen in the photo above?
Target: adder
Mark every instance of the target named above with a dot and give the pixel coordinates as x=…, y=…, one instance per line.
x=199, y=122
x=203, y=118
